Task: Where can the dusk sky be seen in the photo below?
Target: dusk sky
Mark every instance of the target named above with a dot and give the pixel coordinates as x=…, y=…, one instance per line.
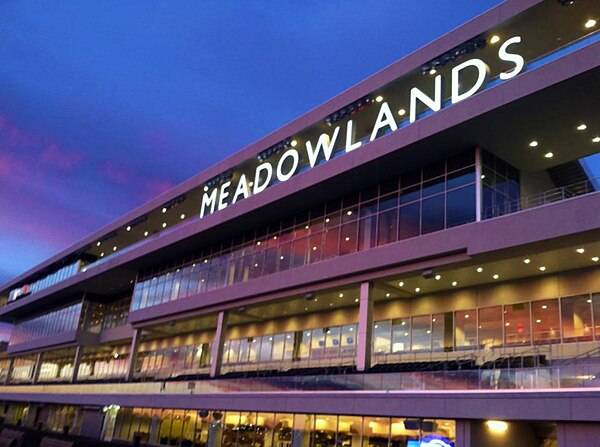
x=105, y=104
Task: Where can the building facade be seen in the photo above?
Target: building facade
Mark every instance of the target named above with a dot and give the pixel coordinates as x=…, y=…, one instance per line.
x=412, y=263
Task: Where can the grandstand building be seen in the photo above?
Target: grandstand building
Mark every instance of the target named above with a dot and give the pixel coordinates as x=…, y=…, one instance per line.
x=413, y=263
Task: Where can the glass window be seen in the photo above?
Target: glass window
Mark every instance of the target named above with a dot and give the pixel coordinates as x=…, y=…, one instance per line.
x=546, y=321
x=460, y=206
x=410, y=221
x=332, y=342
x=421, y=333
x=596, y=305
x=382, y=337
x=517, y=324
x=317, y=344
x=433, y=214
x=387, y=229
x=576, y=312
x=349, y=431
x=278, y=347
x=348, y=340
x=465, y=329
x=376, y=431
x=490, y=327
x=400, y=335
x=266, y=347
x=442, y=339
x=304, y=351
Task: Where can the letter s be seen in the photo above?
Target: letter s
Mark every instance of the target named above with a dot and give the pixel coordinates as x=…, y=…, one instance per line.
x=511, y=57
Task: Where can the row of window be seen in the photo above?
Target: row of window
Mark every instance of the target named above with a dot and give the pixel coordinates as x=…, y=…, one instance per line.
x=107, y=316
x=59, y=321
x=430, y=199
x=193, y=428
x=190, y=358
x=41, y=284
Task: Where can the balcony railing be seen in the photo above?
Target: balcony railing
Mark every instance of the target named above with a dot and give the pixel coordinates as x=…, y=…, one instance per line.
x=544, y=198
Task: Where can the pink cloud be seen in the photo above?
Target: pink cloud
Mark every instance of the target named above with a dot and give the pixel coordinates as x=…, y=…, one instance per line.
x=54, y=155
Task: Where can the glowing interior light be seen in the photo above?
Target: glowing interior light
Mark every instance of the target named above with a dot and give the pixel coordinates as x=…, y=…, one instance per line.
x=497, y=426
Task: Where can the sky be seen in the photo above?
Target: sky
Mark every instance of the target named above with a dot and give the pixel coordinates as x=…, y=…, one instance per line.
x=106, y=104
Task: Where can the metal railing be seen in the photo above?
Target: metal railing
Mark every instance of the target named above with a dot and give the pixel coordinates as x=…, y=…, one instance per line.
x=543, y=198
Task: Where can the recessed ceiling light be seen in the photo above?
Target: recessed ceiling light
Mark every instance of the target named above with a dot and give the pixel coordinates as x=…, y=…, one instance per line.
x=432, y=71
x=164, y=210
x=145, y=233
x=479, y=269
x=205, y=188
x=330, y=304
x=581, y=250
x=548, y=155
x=401, y=283
x=258, y=243
x=526, y=260
x=595, y=258
x=466, y=315
x=581, y=127
x=542, y=268
x=495, y=276
x=356, y=300
x=454, y=283
x=538, y=321
x=590, y=23
x=182, y=216
x=341, y=295
x=401, y=112
x=589, y=301
x=544, y=307
x=379, y=98
x=164, y=225
x=482, y=176
x=294, y=143
x=128, y=228
x=347, y=238
x=349, y=213
x=438, y=277
x=507, y=324
x=417, y=289
x=533, y=143
x=115, y=248
x=387, y=295
x=98, y=244
x=102, y=254
x=376, y=326
x=596, y=140
x=495, y=39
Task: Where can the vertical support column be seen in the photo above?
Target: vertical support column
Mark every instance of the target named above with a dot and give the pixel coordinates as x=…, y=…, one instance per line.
x=365, y=328
x=9, y=371
x=76, y=363
x=478, y=184
x=216, y=355
x=133, y=351
x=36, y=369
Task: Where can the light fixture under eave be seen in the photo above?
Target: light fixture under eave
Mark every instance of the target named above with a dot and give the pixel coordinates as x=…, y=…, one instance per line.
x=438, y=277
x=401, y=284
x=494, y=39
x=454, y=283
x=379, y=98
x=542, y=268
x=164, y=225
x=580, y=250
x=581, y=127
x=595, y=259
x=98, y=244
x=526, y=260
x=496, y=276
x=128, y=228
x=417, y=289
x=401, y=112
x=294, y=143
x=548, y=155
x=479, y=269
x=590, y=23
x=164, y=210
x=533, y=143
x=596, y=140
x=146, y=233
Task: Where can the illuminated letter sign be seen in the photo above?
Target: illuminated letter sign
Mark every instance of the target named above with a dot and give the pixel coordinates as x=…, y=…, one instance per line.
x=466, y=79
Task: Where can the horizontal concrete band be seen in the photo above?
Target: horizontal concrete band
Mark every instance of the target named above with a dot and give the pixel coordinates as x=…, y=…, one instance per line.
x=548, y=405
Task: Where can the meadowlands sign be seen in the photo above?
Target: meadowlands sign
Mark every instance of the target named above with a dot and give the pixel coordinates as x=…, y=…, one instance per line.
x=227, y=193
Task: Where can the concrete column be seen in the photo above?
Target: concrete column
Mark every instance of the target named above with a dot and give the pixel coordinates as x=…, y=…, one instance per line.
x=133, y=352
x=36, y=369
x=76, y=363
x=9, y=371
x=92, y=420
x=365, y=328
x=216, y=355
